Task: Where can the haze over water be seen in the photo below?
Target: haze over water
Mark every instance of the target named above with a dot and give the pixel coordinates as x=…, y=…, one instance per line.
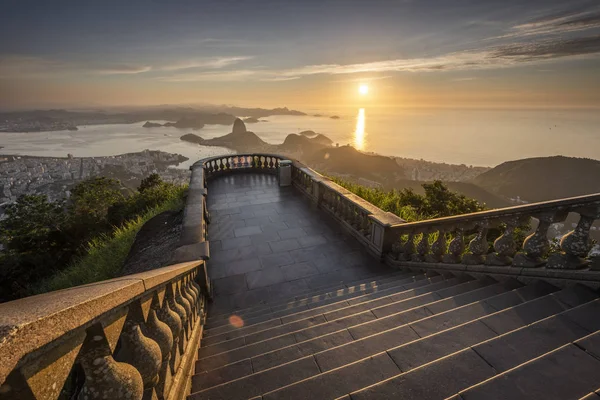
x=457, y=136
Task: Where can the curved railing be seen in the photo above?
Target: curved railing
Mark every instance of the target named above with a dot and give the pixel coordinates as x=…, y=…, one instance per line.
x=127, y=338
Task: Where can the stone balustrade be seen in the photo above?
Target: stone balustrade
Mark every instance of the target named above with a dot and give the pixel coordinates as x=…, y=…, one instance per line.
x=443, y=240
x=133, y=337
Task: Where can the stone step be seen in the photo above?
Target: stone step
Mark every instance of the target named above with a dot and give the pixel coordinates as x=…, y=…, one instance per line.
x=220, y=326
x=263, y=330
x=327, y=321
x=235, y=350
x=477, y=363
x=311, y=296
x=346, y=355
x=297, y=313
x=569, y=372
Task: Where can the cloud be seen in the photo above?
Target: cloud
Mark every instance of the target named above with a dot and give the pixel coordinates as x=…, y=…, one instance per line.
x=121, y=69
x=220, y=76
x=491, y=57
x=210, y=63
x=558, y=23
x=13, y=66
x=280, y=78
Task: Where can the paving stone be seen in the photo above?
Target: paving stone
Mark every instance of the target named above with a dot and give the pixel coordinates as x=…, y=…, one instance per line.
x=591, y=344
x=244, y=331
x=264, y=277
x=215, y=377
x=264, y=238
x=300, y=270
x=233, y=254
x=288, y=289
x=339, y=382
x=312, y=240
x=306, y=254
x=229, y=285
x=523, y=314
x=566, y=373
x=237, y=267
x=450, y=319
x=285, y=328
x=291, y=233
x=228, y=244
x=366, y=347
x=391, y=322
x=284, y=245
x=259, y=383
x=430, y=348
x=250, y=298
x=334, y=326
x=403, y=305
x=247, y=231
x=522, y=345
x=433, y=381
x=586, y=315
x=467, y=298
x=207, y=351
x=276, y=260
x=216, y=360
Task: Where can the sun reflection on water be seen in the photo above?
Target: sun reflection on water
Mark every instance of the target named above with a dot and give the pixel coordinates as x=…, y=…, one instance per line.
x=359, y=132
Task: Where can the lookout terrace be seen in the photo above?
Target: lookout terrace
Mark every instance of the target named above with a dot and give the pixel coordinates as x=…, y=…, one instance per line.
x=306, y=291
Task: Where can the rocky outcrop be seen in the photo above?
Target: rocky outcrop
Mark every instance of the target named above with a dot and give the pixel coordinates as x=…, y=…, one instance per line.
x=149, y=124
x=238, y=126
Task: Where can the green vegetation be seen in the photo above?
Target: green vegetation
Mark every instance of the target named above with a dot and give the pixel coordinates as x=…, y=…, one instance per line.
x=437, y=202
x=49, y=246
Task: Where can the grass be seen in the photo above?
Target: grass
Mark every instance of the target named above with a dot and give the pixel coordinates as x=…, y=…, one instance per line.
x=390, y=201
x=106, y=254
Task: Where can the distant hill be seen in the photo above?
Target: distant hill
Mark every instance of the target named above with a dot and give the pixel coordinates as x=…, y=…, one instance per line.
x=542, y=178
x=348, y=160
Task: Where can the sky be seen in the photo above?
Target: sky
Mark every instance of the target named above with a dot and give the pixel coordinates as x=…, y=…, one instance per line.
x=302, y=54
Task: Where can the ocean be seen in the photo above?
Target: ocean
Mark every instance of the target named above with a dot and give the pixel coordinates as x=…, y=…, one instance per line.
x=459, y=136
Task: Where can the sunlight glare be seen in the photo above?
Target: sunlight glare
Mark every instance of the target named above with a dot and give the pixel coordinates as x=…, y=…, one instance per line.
x=359, y=132
x=363, y=89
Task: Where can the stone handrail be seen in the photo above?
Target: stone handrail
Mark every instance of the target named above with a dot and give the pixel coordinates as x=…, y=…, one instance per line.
x=535, y=251
x=132, y=337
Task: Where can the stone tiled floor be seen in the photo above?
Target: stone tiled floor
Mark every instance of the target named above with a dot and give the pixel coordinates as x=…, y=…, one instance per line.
x=270, y=243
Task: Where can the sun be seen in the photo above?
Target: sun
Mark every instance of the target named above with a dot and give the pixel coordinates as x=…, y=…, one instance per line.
x=363, y=90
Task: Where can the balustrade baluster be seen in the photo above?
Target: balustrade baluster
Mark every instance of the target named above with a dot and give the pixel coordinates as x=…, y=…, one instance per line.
x=455, y=248
x=173, y=320
x=106, y=378
x=478, y=247
x=408, y=248
x=187, y=321
x=180, y=310
x=422, y=248
x=161, y=333
x=576, y=244
x=505, y=245
x=536, y=245
x=438, y=248
x=139, y=350
x=191, y=300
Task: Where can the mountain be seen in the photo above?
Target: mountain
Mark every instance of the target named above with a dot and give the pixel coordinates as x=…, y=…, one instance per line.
x=348, y=160
x=542, y=178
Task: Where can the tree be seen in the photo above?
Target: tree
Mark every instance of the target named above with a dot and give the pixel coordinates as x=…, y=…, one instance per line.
x=152, y=180
x=37, y=241
x=90, y=202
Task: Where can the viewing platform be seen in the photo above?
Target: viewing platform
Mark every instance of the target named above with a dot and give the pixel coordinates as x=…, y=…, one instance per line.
x=308, y=291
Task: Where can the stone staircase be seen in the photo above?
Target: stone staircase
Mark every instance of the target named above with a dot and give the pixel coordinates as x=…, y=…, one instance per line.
x=407, y=335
